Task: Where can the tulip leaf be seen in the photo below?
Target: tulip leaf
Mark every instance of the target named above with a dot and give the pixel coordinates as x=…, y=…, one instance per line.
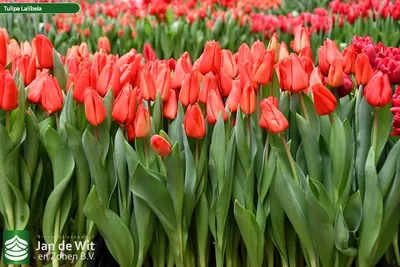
x=157, y=117
x=385, y=118
x=353, y=211
x=252, y=235
x=68, y=114
x=18, y=125
x=311, y=147
x=268, y=173
x=59, y=202
x=342, y=236
x=121, y=173
x=202, y=230
x=31, y=143
x=372, y=213
x=388, y=170
x=115, y=233
x=175, y=132
x=58, y=70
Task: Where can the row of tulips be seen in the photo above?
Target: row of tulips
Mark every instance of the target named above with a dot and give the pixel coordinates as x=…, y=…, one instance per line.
x=250, y=158
x=177, y=27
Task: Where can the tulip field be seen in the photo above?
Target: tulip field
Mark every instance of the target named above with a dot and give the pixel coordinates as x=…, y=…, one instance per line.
x=237, y=133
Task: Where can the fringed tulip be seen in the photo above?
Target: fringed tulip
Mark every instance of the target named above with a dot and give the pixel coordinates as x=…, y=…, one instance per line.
x=324, y=100
x=194, y=123
x=94, y=107
x=378, y=92
x=161, y=146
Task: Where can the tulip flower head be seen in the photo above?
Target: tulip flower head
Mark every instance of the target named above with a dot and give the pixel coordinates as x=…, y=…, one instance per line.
x=194, y=123
x=190, y=89
x=215, y=107
x=124, y=109
x=292, y=76
x=103, y=44
x=363, y=69
x=8, y=92
x=161, y=146
x=324, y=100
x=94, y=107
x=248, y=100
x=210, y=60
x=301, y=39
x=44, y=52
x=271, y=118
x=378, y=92
x=142, y=122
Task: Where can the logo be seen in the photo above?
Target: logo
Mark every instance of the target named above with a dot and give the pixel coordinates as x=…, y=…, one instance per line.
x=16, y=247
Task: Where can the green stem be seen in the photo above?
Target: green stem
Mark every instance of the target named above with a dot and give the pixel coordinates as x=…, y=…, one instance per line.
x=88, y=239
x=54, y=257
x=146, y=151
x=303, y=106
x=266, y=151
x=291, y=160
x=396, y=247
x=375, y=137
x=197, y=152
x=35, y=250
x=350, y=262
x=8, y=122
x=57, y=120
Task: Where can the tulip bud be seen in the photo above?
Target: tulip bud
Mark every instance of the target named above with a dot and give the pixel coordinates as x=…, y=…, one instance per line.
x=273, y=45
x=209, y=83
x=170, y=108
x=3, y=49
x=349, y=58
x=248, y=99
x=271, y=118
x=228, y=63
x=215, y=107
x=224, y=83
x=234, y=97
x=244, y=54
x=263, y=68
x=124, y=109
x=257, y=50
x=292, y=76
x=52, y=98
x=363, y=69
x=149, y=54
x=103, y=44
x=194, y=123
x=161, y=146
x=109, y=78
x=245, y=73
x=142, y=122
x=324, y=100
x=163, y=82
x=44, y=52
x=210, y=60
x=283, y=51
x=301, y=39
x=335, y=77
x=183, y=66
x=190, y=89
x=27, y=68
x=378, y=92
x=94, y=107
x=8, y=92
x=82, y=82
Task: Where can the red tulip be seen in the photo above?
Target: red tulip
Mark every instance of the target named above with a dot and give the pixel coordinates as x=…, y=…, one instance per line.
x=301, y=39
x=347, y=87
x=245, y=73
x=224, y=83
x=378, y=92
x=283, y=51
x=3, y=49
x=349, y=58
x=44, y=52
x=190, y=89
x=94, y=107
x=315, y=77
x=273, y=45
x=124, y=109
x=163, y=82
x=271, y=118
x=234, y=97
x=27, y=68
x=326, y=54
x=257, y=50
x=52, y=98
x=161, y=146
x=130, y=130
x=109, y=78
x=248, y=100
x=263, y=68
x=210, y=60
x=147, y=84
x=99, y=62
x=149, y=54
x=292, y=76
x=8, y=92
x=142, y=122
x=215, y=107
x=363, y=69
x=209, y=83
x=71, y=80
x=335, y=77
x=244, y=54
x=228, y=63
x=103, y=44
x=170, y=108
x=324, y=100
x=307, y=52
x=194, y=123
x=82, y=82
x=183, y=66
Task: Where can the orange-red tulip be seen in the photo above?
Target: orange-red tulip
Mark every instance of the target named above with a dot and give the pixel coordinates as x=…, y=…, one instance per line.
x=82, y=82
x=209, y=83
x=326, y=54
x=163, y=82
x=194, y=123
x=190, y=89
x=124, y=109
x=149, y=54
x=307, y=52
x=215, y=107
x=363, y=69
x=52, y=98
x=263, y=68
x=245, y=73
x=142, y=122
x=27, y=68
x=273, y=45
x=349, y=59
x=324, y=100
x=271, y=118
x=315, y=77
x=161, y=146
x=234, y=97
x=283, y=51
x=335, y=77
x=8, y=92
x=130, y=130
x=210, y=60
x=224, y=83
x=170, y=108
x=378, y=92
x=103, y=44
x=248, y=100
x=301, y=39
x=94, y=107
x=44, y=52
x=292, y=76
x=228, y=63
x=183, y=67
x=257, y=50
x=109, y=78
x=244, y=54
x=3, y=49
x=147, y=84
